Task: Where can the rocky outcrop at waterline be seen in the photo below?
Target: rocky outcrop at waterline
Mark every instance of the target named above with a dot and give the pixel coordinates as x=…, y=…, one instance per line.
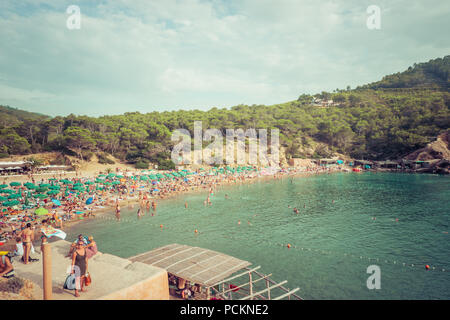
x=436, y=152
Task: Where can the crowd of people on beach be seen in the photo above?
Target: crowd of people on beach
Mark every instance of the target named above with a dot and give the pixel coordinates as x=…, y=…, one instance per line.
x=74, y=199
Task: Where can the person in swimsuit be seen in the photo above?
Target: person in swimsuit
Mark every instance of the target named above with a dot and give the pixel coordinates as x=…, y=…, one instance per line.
x=80, y=259
x=27, y=236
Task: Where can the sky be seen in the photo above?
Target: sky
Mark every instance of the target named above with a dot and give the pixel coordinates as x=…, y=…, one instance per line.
x=164, y=55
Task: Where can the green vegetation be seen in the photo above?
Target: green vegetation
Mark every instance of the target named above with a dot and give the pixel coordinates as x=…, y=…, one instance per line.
x=385, y=119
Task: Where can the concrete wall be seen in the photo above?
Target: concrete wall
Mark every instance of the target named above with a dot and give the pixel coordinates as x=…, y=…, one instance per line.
x=112, y=277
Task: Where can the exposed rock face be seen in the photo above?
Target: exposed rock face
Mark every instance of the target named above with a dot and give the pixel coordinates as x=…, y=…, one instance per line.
x=438, y=149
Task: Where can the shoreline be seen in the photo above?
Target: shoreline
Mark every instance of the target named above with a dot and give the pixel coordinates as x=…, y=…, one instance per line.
x=197, y=190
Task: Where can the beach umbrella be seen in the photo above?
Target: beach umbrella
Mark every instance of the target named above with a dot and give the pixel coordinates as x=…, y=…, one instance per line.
x=52, y=192
x=88, y=182
x=14, y=196
x=52, y=179
x=31, y=186
x=41, y=189
x=7, y=191
x=41, y=212
x=11, y=203
x=116, y=182
x=54, y=187
x=39, y=195
x=89, y=201
x=44, y=185
x=101, y=175
x=2, y=186
x=3, y=198
x=56, y=202
x=15, y=184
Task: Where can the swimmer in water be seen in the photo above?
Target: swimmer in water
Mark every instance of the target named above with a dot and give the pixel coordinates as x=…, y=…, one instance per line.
x=185, y=204
x=296, y=210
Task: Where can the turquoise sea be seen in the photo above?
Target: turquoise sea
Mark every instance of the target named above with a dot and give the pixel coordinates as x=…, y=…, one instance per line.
x=347, y=222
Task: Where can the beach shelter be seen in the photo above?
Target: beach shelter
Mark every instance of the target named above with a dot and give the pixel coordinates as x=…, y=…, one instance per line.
x=39, y=195
x=41, y=212
x=11, y=203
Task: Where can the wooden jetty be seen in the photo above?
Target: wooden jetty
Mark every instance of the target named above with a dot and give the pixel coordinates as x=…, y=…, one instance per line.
x=214, y=271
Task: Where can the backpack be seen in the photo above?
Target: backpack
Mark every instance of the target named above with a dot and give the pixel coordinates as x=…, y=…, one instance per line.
x=70, y=283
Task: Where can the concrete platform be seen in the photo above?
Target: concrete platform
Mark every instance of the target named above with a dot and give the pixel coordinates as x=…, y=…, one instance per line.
x=112, y=277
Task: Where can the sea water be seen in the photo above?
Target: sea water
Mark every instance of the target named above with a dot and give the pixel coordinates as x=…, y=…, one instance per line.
x=346, y=223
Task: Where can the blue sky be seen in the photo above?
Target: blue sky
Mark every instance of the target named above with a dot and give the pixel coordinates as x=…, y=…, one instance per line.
x=148, y=56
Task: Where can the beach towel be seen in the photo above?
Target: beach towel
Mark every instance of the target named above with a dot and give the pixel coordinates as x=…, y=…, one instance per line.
x=52, y=232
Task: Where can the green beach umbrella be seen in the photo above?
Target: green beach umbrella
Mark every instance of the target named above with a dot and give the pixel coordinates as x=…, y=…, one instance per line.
x=14, y=196
x=11, y=203
x=41, y=189
x=54, y=187
x=39, y=195
x=52, y=193
x=15, y=184
x=41, y=212
x=44, y=185
x=2, y=186
x=3, y=198
x=7, y=191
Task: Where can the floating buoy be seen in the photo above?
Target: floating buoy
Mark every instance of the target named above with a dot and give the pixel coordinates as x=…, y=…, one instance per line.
x=427, y=267
x=161, y=226
x=239, y=222
x=196, y=231
x=288, y=245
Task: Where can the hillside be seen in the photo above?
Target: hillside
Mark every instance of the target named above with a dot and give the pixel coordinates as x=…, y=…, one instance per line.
x=383, y=120
x=432, y=74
